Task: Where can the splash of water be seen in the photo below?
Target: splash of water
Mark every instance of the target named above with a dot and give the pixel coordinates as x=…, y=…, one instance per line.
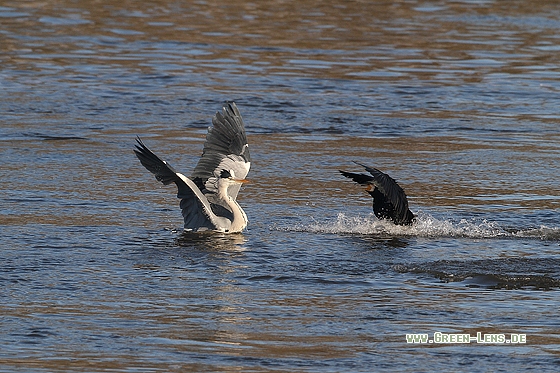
x=425, y=225
x=543, y=232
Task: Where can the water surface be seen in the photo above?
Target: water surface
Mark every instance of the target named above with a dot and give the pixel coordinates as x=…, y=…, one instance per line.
x=455, y=100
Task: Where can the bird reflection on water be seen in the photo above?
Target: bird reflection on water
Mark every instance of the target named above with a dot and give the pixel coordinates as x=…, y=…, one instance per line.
x=212, y=241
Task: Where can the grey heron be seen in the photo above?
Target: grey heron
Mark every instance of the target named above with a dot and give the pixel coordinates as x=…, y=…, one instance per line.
x=389, y=199
x=208, y=196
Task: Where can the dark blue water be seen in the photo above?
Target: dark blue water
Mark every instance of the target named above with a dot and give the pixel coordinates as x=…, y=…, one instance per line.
x=455, y=100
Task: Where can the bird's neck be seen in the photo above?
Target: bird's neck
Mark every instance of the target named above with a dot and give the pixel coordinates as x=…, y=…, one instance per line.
x=239, y=221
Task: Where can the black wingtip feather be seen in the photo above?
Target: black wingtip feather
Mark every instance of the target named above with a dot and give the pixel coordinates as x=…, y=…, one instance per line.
x=161, y=169
x=358, y=178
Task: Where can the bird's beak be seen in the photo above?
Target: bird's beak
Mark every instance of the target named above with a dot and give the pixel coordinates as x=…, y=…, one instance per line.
x=369, y=188
x=242, y=181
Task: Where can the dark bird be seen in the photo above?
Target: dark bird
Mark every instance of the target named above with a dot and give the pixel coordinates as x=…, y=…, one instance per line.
x=389, y=199
x=208, y=196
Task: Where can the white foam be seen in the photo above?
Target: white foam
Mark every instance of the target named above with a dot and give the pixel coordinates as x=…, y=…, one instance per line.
x=425, y=225
x=543, y=232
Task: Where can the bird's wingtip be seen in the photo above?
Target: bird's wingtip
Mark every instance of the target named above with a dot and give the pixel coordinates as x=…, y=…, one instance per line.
x=228, y=108
x=231, y=107
x=139, y=146
x=360, y=164
x=368, y=168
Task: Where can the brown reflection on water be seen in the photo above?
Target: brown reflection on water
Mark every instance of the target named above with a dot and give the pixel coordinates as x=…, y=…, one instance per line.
x=448, y=42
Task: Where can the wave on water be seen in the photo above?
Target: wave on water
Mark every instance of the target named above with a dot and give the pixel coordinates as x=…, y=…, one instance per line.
x=496, y=273
x=425, y=225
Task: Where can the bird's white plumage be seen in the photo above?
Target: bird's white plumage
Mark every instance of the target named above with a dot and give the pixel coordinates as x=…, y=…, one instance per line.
x=208, y=198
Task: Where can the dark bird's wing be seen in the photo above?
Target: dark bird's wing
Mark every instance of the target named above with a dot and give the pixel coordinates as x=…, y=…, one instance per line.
x=392, y=191
x=160, y=168
x=226, y=148
x=389, y=198
x=195, y=207
x=359, y=178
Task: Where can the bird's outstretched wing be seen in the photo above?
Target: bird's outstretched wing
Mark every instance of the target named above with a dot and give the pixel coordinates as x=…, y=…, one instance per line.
x=160, y=168
x=196, y=210
x=359, y=178
x=226, y=148
x=393, y=201
x=390, y=189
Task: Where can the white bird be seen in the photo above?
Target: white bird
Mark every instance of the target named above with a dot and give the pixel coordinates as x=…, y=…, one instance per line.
x=208, y=196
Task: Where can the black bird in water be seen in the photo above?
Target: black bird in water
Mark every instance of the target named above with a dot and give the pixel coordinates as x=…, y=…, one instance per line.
x=389, y=199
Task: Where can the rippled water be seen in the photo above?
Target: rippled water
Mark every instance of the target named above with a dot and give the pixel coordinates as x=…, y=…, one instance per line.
x=456, y=100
